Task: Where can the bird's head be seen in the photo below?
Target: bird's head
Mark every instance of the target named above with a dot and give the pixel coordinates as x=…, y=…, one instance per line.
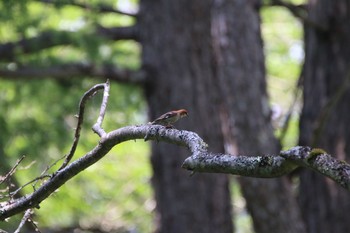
x=182, y=112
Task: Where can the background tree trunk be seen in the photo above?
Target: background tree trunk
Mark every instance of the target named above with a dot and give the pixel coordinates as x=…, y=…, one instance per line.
x=325, y=120
x=241, y=72
x=205, y=56
x=212, y=63
x=177, y=53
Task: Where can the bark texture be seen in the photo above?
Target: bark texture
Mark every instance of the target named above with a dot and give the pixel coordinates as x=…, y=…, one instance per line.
x=246, y=112
x=207, y=56
x=325, y=120
x=177, y=53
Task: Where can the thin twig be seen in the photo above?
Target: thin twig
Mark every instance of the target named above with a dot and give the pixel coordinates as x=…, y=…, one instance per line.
x=87, y=95
x=200, y=160
x=48, y=168
x=28, y=183
x=97, y=128
x=288, y=116
x=102, y=8
x=299, y=11
x=13, y=170
x=75, y=70
x=25, y=218
x=42, y=176
x=36, y=228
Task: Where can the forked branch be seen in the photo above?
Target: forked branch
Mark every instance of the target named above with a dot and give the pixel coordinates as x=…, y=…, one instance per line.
x=98, y=129
x=200, y=160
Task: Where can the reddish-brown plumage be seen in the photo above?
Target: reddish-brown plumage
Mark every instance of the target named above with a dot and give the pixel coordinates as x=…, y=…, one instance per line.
x=170, y=117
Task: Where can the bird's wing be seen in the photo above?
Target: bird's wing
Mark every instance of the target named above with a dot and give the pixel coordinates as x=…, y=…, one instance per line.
x=164, y=117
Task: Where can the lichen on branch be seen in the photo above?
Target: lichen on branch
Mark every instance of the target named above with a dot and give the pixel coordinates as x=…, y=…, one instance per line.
x=200, y=158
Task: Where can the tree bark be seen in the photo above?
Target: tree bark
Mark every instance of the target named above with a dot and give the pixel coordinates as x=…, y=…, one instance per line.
x=177, y=53
x=325, y=118
x=246, y=112
x=222, y=75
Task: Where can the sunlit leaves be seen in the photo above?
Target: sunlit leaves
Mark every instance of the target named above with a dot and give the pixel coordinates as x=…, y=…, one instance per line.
x=283, y=45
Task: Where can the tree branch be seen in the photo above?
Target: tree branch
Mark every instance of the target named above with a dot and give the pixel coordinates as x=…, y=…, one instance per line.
x=102, y=8
x=200, y=160
x=75, y=70
x=299, y=11
x=87, y=95
x=119, y=33
x=49, y=39
x=321, y=162
x=97, y=127
x=27, y=215
x=107, y=142
x=269, y=166
x=12, y=171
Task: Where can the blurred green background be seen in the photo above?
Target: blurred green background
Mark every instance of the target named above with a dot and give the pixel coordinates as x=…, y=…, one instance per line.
x=37, y=115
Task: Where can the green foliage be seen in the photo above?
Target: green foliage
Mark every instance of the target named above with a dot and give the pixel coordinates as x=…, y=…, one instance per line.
x=292, y=135
x=37, y=117
x=242, y=219
x=40, y=126
x=283, y=44
x=108, y=193
x=66, y=23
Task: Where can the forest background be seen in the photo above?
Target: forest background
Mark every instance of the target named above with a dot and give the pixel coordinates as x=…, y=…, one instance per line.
x=51, y=52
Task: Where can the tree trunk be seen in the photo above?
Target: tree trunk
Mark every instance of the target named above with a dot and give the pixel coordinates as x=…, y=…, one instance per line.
x=240, y=62
x=218, y=78
x=325, y=120
x=177, y=53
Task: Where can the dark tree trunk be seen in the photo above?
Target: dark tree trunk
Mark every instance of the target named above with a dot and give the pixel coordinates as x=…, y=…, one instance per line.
x=240, y=62
x=177, y=53
x=207, y=56
x=325, y=120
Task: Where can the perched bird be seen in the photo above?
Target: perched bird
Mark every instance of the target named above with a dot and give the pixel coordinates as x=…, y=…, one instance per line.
x=170, y=117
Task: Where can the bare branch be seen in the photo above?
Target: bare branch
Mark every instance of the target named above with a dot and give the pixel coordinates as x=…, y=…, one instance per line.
x=49, y=39
x=288, y=116
x=200, y=161
x=299, y=11
x=102, y=8
x=13, y=170
x=107, y=142
x=252, y=166
x=87, y=95
x=25, y=218
x=41, y=177
x=318, y=160
x=97, y=128
x=119, y=33
x=75, y=70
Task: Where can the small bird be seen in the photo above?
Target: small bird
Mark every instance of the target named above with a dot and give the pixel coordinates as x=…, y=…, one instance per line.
x=169, y=118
